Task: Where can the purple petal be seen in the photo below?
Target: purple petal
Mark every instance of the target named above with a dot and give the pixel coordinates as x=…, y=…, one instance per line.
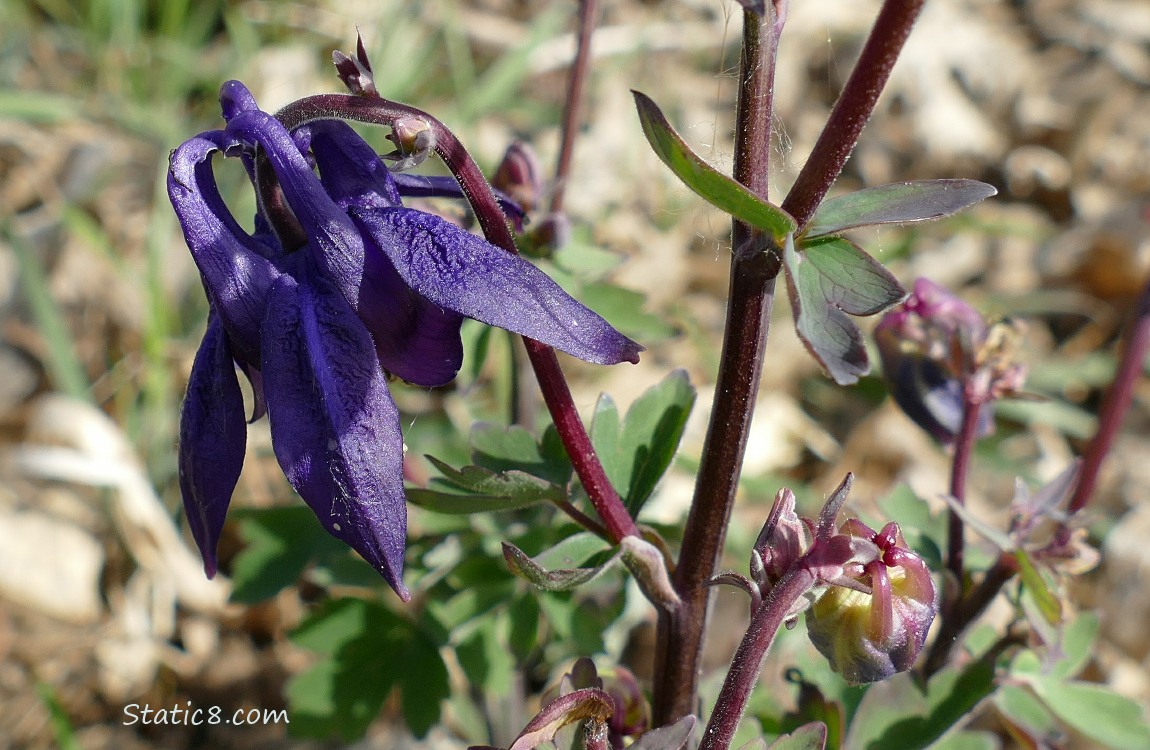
x=334, y=241
x=461, y=272
x=235, y=98
x=234, y=266
x=335, y=429
x=349, y=168
x=415, y=339
x=213, y=438
x=444, y=186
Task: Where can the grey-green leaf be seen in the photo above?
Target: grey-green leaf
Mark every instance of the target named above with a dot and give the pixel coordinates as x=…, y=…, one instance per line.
x=707, y=182
x=828, y=333
x=847, y=277
x=1097, y=712
x=897, y=203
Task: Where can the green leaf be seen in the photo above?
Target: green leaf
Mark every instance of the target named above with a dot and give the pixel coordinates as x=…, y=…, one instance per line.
x=968, y=741
x=830, y=336
x=895, y=713
x=514, y=485
x=637, y=452
x=847, y=277
x=1021, y=707
x=669, y=737
x=280, y=544
x=1097, y=712
x=514, y=449
x=368, y=650
x=624, y=308
x=898, y=203
x=811, y=736
x=541, y=571
x=455, y=503
x=1076, y=642
x=524, y=615
x=1047, y=601
x=706, y=181
x=424, y=681
x=341, y=695
x=486, y=661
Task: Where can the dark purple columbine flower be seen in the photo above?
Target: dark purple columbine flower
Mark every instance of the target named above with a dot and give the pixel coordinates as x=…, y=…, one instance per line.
x=338, y=286
x=938, y=353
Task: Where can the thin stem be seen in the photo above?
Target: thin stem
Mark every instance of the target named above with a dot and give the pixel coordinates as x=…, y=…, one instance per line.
x=1116, y=402
x=748, y=659
x=571, y=110
x=556, y=393
x=963, y=448
x=967, y=610
x=853, y=108
x=754, y=268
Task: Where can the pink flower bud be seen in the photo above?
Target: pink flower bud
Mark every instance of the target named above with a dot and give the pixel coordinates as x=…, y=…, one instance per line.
x=875, y=623
x=518, y=176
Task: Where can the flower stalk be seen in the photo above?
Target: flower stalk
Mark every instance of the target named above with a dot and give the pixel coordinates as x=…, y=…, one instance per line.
x=754, y=269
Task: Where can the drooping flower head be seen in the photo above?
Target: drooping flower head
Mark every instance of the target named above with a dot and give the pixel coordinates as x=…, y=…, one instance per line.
x=939, y=352
x=338, y=286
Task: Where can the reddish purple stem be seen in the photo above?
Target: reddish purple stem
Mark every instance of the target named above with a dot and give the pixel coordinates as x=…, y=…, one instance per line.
x=1116, y=402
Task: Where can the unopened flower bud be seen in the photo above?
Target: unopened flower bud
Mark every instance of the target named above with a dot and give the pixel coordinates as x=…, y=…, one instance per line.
x=631, y=716
x=355, y=72
x=876, y=626
x=414, y=141
x=782, y=541
x=518, y=176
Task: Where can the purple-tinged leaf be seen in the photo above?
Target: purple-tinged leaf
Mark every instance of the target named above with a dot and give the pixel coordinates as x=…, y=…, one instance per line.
x=847, y=277
x=897, y=203
x=707, y=182
x=671, y=737
x=828, y=333
x=569, y=552
x=588, y=703
x=811, y=736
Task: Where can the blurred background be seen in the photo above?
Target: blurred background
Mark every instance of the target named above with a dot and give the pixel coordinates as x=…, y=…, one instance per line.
x=102, y=601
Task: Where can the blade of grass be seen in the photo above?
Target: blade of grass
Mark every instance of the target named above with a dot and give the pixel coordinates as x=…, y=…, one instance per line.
x=64, y=367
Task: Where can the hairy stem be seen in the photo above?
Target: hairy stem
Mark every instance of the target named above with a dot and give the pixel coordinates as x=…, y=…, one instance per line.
x=556, y=393
x=853, y=108
x=1116, y=401
x=588, y=10
x=748, y=659
x=754, y=268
